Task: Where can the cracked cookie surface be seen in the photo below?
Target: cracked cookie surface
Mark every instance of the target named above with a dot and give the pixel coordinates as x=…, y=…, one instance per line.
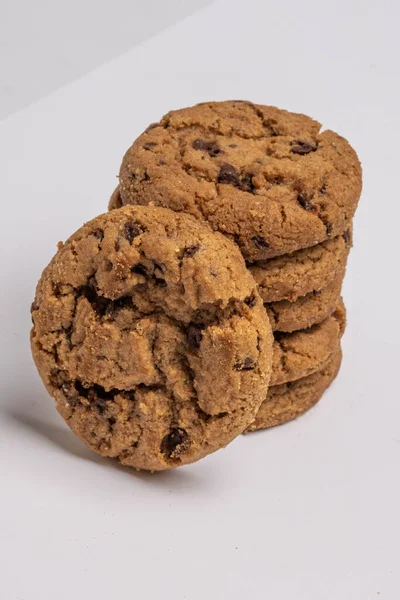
x=304, y=352
x=151, y=336
x=290, y=400
x=268, y=178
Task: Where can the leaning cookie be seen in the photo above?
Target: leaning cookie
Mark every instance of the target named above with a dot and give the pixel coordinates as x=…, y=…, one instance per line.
x=288, y=401
x=151, y=336
x=268, y=178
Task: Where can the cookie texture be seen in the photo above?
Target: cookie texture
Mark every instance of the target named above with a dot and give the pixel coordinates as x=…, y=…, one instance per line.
x=290, y=400
x=304, y=352
x=268, y=178
x=299, y=273
x=150, y=334
x=307, y=310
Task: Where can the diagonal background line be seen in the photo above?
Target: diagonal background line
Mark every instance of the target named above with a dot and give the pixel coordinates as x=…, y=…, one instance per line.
x=46, y=44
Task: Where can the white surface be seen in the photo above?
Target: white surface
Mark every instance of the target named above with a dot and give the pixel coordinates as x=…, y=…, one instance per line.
x=308, y=511
x=45, y=44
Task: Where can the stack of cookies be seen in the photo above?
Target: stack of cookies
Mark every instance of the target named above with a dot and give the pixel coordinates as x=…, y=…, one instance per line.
x=286, y=195
x=207, y=302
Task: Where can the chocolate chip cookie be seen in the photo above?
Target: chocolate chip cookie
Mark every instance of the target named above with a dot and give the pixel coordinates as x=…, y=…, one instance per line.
x=151, y=336
x=299, y=273
x=304, y=352
x=290, y=400
x=267, y=178
x=307, y=310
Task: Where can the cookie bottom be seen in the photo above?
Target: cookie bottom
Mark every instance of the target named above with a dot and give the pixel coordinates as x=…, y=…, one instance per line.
x=290, y=400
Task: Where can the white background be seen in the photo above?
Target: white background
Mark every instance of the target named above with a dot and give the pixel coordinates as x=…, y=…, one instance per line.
x=307, y=511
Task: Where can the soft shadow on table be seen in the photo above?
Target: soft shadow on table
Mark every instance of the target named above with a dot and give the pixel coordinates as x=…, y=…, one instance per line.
x=65, y=440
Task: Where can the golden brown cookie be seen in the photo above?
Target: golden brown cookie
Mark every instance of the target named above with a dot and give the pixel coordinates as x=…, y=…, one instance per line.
x=290, y=400
x=299, y=273
x=304, y=352
x=151, y=336
x=307, y=310
x=266, y=177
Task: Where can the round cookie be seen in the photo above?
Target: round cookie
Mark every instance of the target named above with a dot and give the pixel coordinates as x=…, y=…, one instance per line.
x=307, y=310
x=151, y=336
x=290, y=400
x=304, y=352
x=299, y=273
x=266, y=177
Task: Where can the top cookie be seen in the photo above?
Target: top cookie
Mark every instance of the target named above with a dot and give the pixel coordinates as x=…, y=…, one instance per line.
x=151, y=336
x=266, y=177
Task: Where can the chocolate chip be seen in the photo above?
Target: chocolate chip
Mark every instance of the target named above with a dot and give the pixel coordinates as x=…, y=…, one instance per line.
x=160, y=266
x=347, y=237
x=131, y=230
x=195, y=335
x=247, y=182
x=149, y=145
x=175, y=443
x=190, y=251
x=247, y=365
x=302, y=147
x=111, y=421
x=304, y=201
x=260, y=242
x=328, y=227
x=322, y=189
x=211, y=148
x=99, y=234
x=100, y=404
x=199, y=145
x=228, y=174
x=251, y=300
